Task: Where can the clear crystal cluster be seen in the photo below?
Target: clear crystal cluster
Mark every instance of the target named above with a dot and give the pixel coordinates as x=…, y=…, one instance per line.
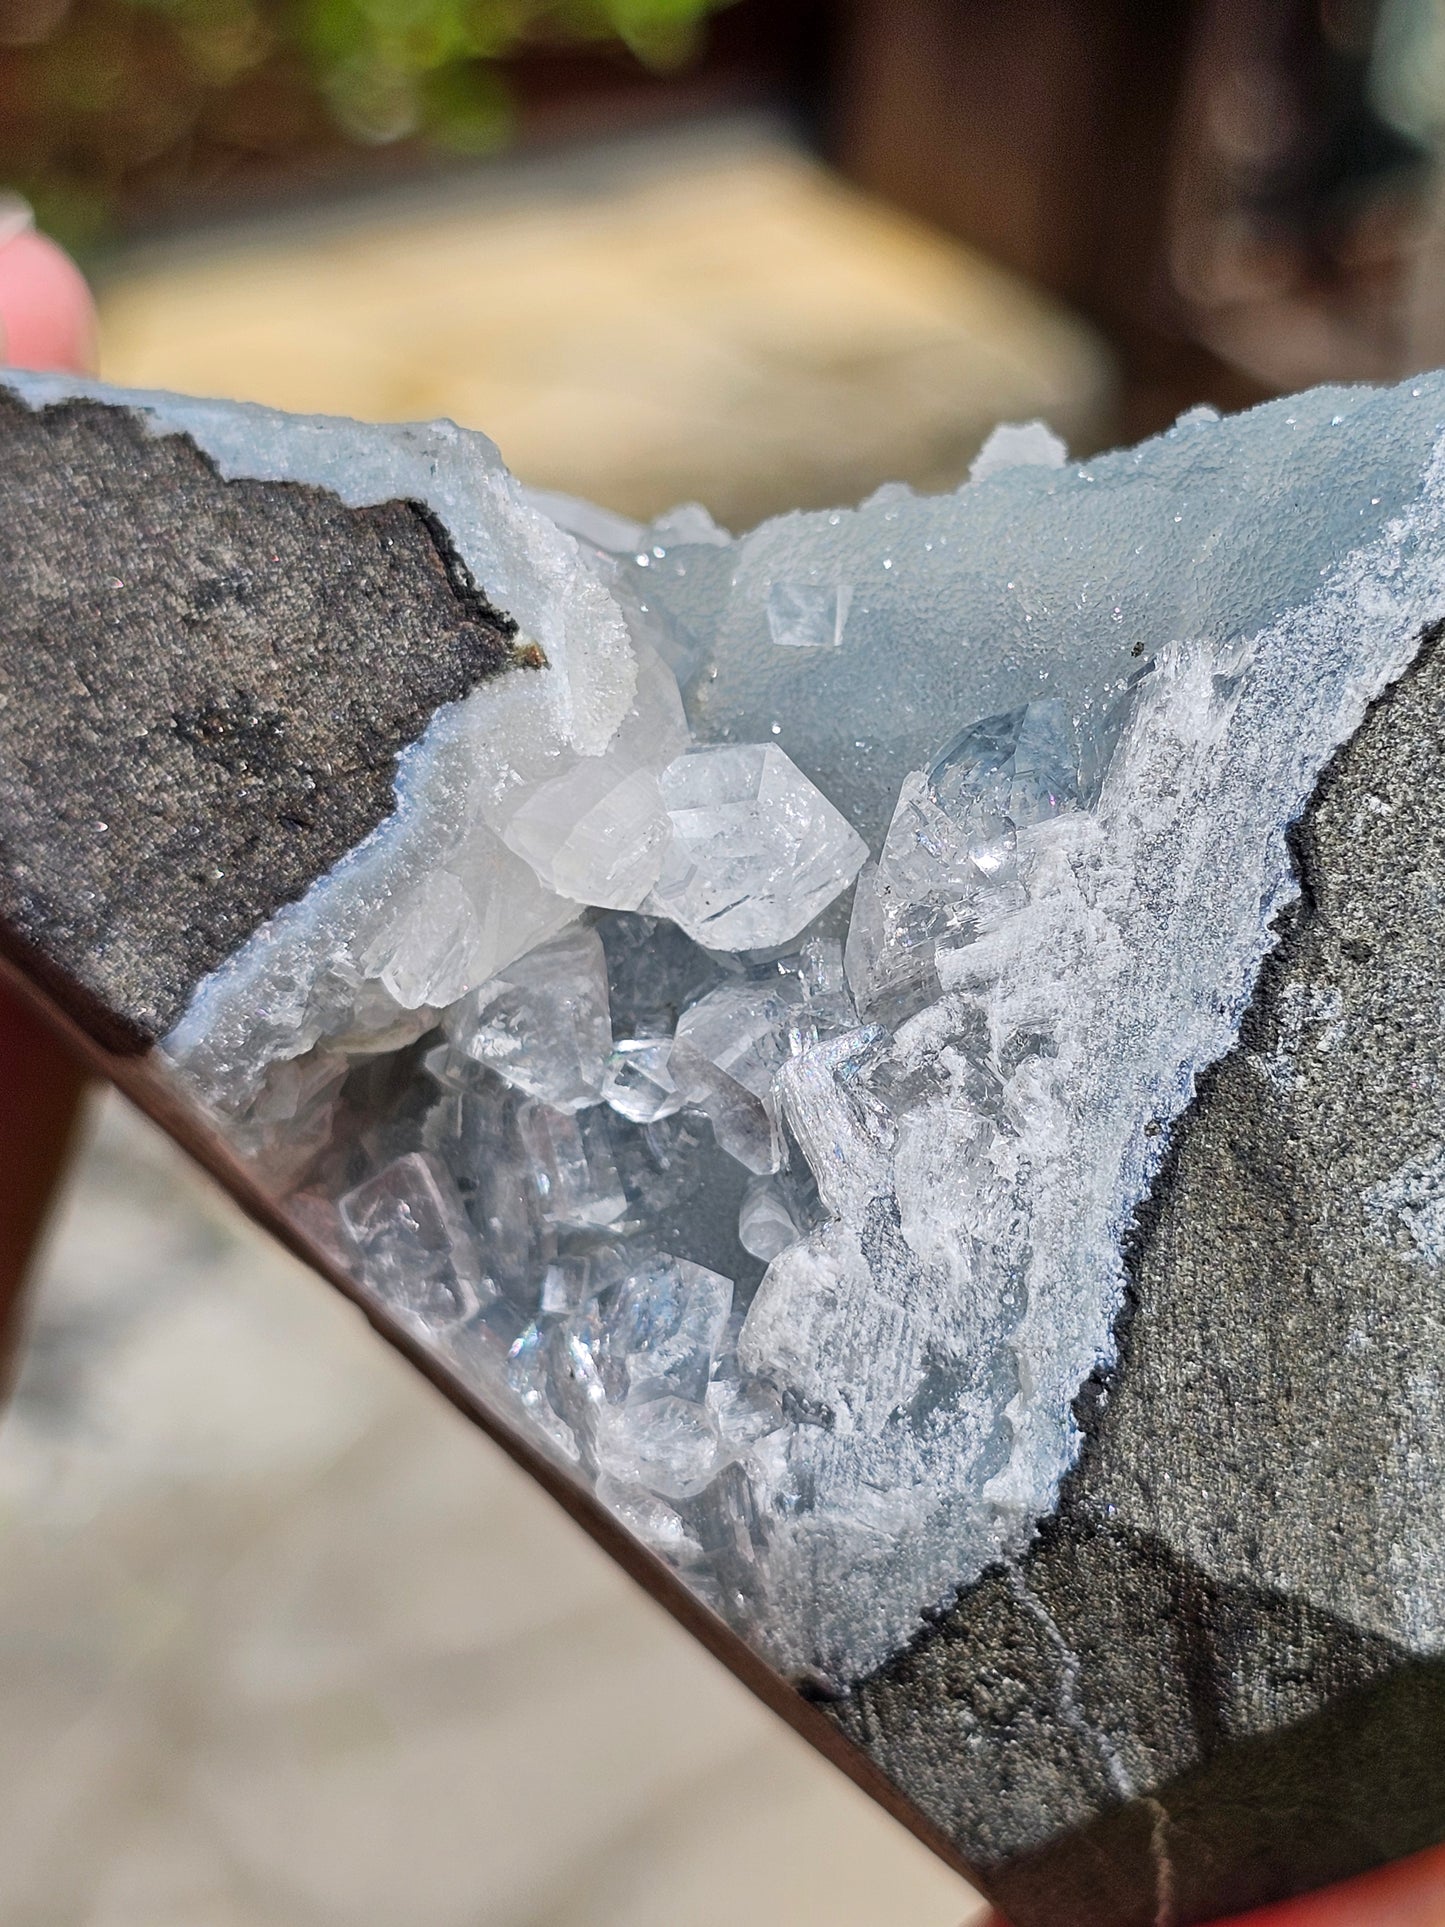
x=743, y=1052
x=573, y=1183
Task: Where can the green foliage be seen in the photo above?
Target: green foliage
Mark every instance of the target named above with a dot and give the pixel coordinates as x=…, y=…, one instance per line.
x=103, y=102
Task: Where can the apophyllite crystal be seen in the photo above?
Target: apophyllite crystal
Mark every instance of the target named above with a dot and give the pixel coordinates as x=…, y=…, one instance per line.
x=831, y=1007
x=799, y=1047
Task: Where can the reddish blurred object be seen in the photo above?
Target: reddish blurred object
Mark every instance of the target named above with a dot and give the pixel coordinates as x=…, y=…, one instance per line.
x=1211, y=180
x=41, y=1085
x=1411, y=1893
x=47, y=319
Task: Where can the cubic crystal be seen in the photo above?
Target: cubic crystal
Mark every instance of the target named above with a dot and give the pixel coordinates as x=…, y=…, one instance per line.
x=728, y=1048
x=668, y=1323
x=571, y=1165
x=805, y=615
x=416, y=1246
x=757, y=852
x=1021, y=767
x=543, y=1023
x=667, y=1445
x=732, y=1043
x=638, y=1083
x=476, y=1134
x=596, y=834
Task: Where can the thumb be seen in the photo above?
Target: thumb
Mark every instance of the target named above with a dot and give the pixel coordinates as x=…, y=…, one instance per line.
x=47, y=318
x=1408, y=1893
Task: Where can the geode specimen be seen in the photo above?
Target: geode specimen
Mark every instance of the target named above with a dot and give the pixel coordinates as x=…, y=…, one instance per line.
x=902, y=1052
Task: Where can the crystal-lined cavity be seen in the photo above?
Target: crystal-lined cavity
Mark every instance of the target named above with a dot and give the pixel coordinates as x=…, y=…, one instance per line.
x=744, y=1051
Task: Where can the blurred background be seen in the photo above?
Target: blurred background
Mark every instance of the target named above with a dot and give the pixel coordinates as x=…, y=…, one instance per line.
x=284, y=1643
x=1239, y=194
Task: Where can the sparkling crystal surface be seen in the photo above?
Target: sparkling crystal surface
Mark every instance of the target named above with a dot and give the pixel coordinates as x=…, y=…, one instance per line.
x=416, y=1246
x=750, y=1088
x=757, y=852
x=543, y=1024
x=638, y=1082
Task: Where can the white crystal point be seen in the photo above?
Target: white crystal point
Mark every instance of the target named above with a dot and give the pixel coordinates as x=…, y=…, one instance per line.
x=667, y=1445
x=1019, y=445
x=596, y=829
x=824, y=1327
x=457, y=925
x=417, y=1248
x=767, y=1220
x=891, y=947
x=668, y=1323
x=842, y=1124
x=426, y=943
x=663, y=1335
x=292, y=1117
x=745, y=1411
x=651, y=1520
x=1023, y=767
x=528, y=1379
x=1202, y=415
x=948, y=872
x=595, y=835
x=728, y=1048
x=543, y=1024
x=624, y=1376
x=808, y=615
x=757, y=851
x=638, y=1083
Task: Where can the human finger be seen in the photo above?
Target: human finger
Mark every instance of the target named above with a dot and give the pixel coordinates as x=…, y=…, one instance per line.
x=47, y=318
x=1407, y=1893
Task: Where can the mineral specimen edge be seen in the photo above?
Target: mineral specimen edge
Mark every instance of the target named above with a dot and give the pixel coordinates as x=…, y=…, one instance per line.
x=743, y=1069
x=141, y=1077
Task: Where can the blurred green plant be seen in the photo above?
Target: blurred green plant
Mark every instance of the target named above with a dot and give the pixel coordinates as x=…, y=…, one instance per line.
x=103, y=101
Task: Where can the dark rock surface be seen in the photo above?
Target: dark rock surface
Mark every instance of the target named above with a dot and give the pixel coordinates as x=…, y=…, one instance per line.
x=204, y=686
x=1218, y=1675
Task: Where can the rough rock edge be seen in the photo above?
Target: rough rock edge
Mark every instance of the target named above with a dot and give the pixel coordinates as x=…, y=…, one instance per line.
x=92, y=445
x=1045, y=1719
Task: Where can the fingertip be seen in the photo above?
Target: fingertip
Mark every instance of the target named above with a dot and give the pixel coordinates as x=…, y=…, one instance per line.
x=1405, y=1893
x=47, y=318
